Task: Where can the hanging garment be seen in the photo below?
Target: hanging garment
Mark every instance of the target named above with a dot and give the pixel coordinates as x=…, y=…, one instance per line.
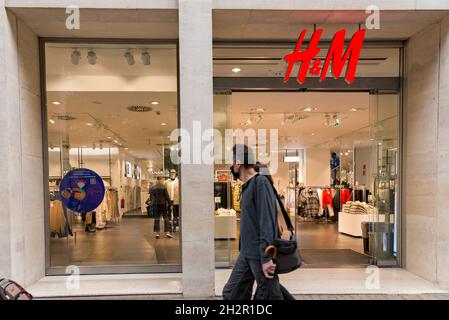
x=345, y=196
x=113, y=211
x=320, y=196
x=327, y=198
x=311, y=202
x=57, y=219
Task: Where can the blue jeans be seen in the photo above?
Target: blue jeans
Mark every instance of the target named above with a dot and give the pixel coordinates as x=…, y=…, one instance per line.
x=241, y=281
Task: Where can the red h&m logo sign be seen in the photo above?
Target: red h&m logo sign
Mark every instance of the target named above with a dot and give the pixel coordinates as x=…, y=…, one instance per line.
x=335, y=56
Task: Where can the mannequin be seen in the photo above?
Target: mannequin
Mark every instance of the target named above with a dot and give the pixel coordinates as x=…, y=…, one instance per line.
x=172, y=185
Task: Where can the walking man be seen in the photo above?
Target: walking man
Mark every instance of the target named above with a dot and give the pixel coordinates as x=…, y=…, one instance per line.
x=258, y=229
x=160, y=200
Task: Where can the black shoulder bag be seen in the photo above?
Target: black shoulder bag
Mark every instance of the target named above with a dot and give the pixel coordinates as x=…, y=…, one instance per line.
x=285, y=253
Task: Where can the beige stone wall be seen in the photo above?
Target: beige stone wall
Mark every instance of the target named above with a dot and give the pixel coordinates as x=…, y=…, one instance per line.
x=196, y=104
x=22, y=213
x=426, y=154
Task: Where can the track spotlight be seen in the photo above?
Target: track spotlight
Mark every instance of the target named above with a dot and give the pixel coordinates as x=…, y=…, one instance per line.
x=76, y=56
x=129, y=57
x=91, y=57
x=146, y=59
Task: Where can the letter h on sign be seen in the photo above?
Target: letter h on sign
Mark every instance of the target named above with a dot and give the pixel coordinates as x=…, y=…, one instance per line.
x=335, y=56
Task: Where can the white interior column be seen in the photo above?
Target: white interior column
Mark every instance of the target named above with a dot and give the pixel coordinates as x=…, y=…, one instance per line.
x=196, y=105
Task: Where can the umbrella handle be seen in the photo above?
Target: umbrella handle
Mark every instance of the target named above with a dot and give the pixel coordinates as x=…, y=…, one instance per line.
x=271, y=249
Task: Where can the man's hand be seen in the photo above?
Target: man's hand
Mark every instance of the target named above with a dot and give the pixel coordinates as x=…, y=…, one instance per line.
x=268, y=269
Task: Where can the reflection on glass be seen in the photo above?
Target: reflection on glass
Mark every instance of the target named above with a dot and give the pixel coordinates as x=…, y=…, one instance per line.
x=114, y=118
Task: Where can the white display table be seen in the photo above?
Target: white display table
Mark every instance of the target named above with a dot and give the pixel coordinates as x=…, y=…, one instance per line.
x=351, y=224
x=225, y=227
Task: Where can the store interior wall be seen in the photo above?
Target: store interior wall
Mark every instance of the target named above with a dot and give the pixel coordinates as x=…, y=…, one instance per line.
x=21, y=184
x=427, y=154
x=317, y=169
x=363, y=165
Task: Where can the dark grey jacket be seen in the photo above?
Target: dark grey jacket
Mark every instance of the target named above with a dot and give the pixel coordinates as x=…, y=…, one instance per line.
x=258, y=220
x=159, y=195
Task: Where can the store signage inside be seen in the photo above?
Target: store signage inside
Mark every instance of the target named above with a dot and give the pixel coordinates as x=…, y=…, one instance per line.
x=336, y=59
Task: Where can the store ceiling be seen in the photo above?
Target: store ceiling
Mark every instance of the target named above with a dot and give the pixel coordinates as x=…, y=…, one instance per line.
x=307, y=132
x=100, y=115
x=98, y=96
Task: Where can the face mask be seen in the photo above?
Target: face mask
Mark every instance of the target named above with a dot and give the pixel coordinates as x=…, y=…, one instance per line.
x=235, y=175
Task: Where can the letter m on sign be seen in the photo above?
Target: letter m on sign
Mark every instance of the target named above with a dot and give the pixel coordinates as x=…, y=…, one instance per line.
x=351, y=55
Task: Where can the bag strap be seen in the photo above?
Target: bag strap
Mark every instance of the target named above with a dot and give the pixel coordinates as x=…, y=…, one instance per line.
x=287, y=219
x=285, y=215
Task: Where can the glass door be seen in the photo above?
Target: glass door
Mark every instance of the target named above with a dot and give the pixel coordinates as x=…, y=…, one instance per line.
x=384, y=131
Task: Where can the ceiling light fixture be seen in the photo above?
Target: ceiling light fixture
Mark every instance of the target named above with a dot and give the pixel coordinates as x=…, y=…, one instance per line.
x=52, y=121
x=308, y=109
x=91, y=57
x=292, y=118
x=353, y=109
x=56, y=103
x=336, y=120
x=236, y=70
x=154, y=103
x=129, y=57
x=89, y=124
x=163, y=124
x=75, y=57
x=145, y=57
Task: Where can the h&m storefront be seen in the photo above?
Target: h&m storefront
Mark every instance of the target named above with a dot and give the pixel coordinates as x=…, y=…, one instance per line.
x=354, y=162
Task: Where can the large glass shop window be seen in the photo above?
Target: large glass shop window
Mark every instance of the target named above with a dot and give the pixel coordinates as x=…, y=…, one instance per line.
x=113, y=189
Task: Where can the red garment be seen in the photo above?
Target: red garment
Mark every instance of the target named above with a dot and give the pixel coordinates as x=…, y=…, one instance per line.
x=345, y=196
x=327, y=198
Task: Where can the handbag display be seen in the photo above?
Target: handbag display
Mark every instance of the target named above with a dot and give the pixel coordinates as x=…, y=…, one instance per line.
x=285, y=253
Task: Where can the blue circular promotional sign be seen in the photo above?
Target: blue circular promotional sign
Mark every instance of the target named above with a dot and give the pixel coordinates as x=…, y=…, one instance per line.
x=81, y=190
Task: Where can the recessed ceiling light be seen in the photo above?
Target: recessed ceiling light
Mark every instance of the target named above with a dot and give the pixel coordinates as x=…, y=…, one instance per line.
x=236, y=70
x=155, y=103
x=109, y=138
x=353, y=109
x=163, y=124
x=89, y=124
x=308, y=109
x=52, y=121
x=346, y=153
x=57, y=103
